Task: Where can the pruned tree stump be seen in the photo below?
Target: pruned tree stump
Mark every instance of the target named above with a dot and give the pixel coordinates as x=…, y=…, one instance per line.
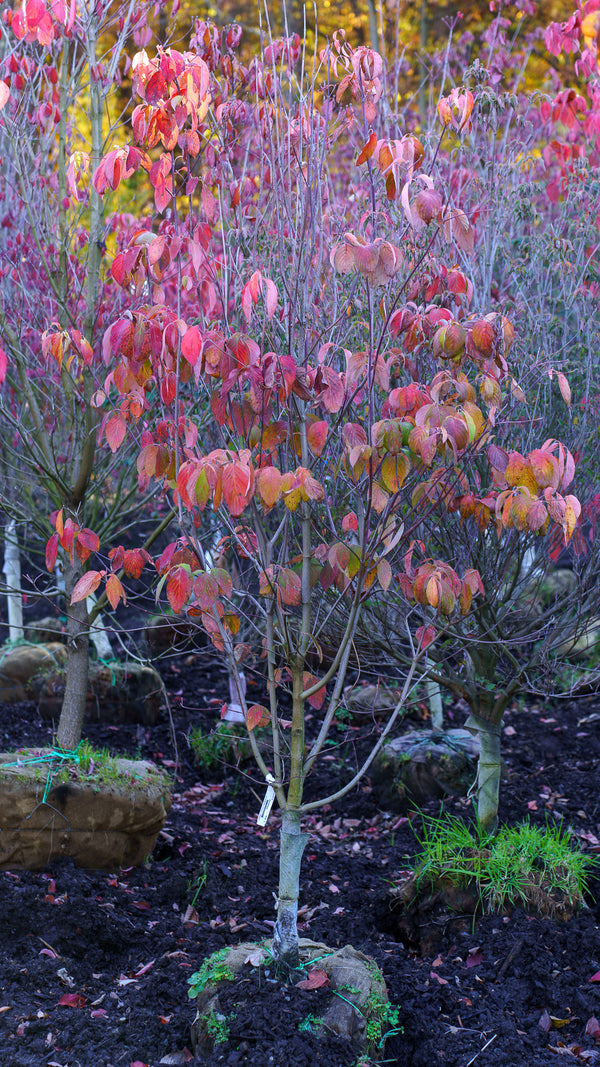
x=424, y=765
x=101, y=824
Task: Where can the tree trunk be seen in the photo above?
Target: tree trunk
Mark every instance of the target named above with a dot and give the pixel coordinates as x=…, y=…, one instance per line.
x=72, y=712
x=285, y=934
x=488, y=771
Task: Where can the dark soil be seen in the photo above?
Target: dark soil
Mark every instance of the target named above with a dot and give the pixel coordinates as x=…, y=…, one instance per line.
x=121, y=945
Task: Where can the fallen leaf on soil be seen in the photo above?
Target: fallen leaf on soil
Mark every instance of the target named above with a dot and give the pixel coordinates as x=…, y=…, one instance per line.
x=99, y=1013
x=191, y=917
x=144, y=970
x=592, y=1028
x=544, y=1022
x=474, y=958
x=72, y=1000
x=437, y=962
x=5, y=1007
x=595, y=977
x=442, y=981
x=559, y=1023
x=256, y=958
x=316, y=978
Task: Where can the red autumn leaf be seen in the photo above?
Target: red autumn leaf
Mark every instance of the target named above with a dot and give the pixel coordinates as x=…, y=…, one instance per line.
x=179, y=584
x=88, y=540
x=156, y=88
x=87, y=584
x=595, y=977
x=257, y=716
x=115, y=431
x=425, y=635
x=474, y=958
x=51, y=552
x=316, y=700
x=290, y=587
x=134, y=561
x=316, y=979
x=238, y=484
x=72, y=1000
x=206, y=591
x=317, y=436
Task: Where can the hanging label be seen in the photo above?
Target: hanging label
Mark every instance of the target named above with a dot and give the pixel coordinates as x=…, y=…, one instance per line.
x=267, y=804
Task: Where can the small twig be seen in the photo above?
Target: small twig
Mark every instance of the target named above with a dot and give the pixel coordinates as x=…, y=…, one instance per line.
x=511, y=955
x=492, y=1038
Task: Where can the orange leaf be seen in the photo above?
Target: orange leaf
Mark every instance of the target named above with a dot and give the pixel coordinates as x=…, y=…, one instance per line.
x=257, y=716
x=316, y=978
x=268, y=486
x=367, y=149
x=115, y=591
x=384, y=574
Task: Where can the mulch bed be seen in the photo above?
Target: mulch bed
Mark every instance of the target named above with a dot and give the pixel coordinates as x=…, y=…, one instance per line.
x=95, y=964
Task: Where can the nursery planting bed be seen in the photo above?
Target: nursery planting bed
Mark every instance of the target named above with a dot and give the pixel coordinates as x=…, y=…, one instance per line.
x=95, y=964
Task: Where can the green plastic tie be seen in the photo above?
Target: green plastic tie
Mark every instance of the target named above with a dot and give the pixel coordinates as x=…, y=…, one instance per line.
x=56, y=755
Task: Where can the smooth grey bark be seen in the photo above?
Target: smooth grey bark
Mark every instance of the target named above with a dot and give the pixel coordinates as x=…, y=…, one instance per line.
x=488, y=771
x=285, y=934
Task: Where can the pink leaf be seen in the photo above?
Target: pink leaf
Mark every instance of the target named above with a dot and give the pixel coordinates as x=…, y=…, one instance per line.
x=72, y=1000
x=592, y=1028
x=595, y=977
x=86, y=585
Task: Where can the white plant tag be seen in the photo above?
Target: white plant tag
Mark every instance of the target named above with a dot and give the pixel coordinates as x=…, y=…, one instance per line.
x=267, y=804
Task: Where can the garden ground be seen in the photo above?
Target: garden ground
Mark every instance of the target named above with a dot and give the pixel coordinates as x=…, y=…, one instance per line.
x=95, y=964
